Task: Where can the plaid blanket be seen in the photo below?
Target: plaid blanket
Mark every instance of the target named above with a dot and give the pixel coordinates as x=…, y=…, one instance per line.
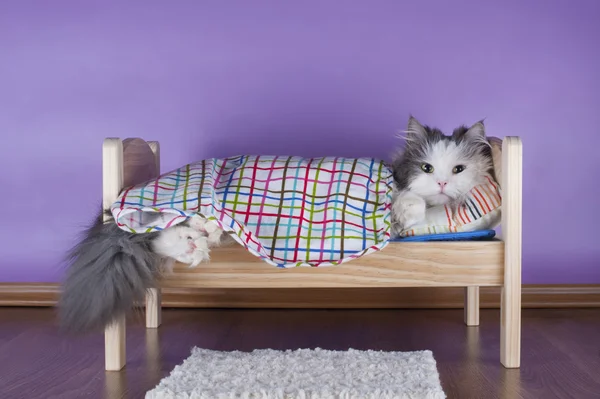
x=289, y=211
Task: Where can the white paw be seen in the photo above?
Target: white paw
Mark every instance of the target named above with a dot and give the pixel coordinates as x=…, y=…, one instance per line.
x=197, y=252
x=407, y=210
x=209, y=229
x=414, y=211
x=182, y=243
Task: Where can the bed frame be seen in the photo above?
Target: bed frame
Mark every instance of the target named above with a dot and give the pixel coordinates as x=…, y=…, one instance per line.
x=468, y=264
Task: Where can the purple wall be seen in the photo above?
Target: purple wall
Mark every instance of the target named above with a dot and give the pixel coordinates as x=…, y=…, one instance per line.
x=307, y=78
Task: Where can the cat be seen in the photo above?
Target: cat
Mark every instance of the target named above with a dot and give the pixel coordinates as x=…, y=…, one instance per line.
x=110, y=269
x=435, y=169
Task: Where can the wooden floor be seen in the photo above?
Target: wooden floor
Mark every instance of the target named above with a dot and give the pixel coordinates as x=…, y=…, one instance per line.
x=561, y=349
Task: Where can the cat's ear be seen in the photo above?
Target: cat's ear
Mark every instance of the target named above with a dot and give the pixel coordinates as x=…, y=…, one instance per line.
x=475, y=132
x=415, y=132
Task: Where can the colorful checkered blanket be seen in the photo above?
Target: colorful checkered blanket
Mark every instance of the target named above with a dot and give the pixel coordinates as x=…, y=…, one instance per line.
x=289, y=211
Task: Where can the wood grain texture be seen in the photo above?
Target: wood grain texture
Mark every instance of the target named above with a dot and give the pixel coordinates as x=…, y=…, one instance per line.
x=561, y=360
x=410, y=264
x=512, y=197
x=154, y=295
x=112, y=183
x=112, y=171
x=114, y=345
x=533, y=296
x=155, y=147
x=471, y=313
x=153, y=307
x=139, y=162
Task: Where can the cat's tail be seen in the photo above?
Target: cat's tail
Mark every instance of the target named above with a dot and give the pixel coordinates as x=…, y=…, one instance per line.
x=109, y=271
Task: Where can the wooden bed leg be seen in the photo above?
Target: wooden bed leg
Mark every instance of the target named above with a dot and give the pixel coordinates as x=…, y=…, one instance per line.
x=472, y=306
x=153, y=296
x=114, y=345
x=153, y=308
x=510, y=305
x=112, y=183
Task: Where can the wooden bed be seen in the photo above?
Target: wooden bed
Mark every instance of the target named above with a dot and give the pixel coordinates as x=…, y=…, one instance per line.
x=468, y=264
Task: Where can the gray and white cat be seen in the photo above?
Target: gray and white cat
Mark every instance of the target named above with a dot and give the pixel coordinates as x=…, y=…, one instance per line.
x=110, y=269
x=435, y=169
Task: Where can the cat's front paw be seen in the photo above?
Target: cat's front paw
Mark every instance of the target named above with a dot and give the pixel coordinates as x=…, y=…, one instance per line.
x=208, y=228
x=408, y=210
x=197, y=251
x=183, y=244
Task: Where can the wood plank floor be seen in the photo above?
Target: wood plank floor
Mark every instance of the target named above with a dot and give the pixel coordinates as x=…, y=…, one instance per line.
x=561, y=349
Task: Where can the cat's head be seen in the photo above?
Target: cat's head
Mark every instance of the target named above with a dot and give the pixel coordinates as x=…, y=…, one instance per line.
x=441, y=168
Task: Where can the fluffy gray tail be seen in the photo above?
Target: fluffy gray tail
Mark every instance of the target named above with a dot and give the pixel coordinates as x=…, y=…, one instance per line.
x=109, y=271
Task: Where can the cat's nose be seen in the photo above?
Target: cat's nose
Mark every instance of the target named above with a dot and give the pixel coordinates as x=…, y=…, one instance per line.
x=442, y=184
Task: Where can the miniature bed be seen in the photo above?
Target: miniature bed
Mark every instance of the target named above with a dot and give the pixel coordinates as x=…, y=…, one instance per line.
x=468, y=264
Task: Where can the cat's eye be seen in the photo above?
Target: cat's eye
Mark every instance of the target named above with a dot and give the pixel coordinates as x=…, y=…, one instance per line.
x=427, y=168
x=458, y=168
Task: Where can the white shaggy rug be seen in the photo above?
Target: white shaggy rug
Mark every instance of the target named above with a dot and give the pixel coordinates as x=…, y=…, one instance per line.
x=302, y=374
